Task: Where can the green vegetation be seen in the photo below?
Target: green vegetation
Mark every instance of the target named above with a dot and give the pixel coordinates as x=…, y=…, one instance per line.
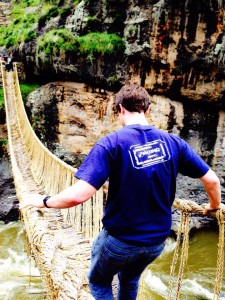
x=65, y=12
x=2, y=102
x=22, y=28
x=56, y=40
x=26, y=89
x=2, y=107
x=100, y=44
x=51, y=13
x=92, y=44
x=75, y=2
x=35, y=122
x=3, y=145
x=3, y=142
x=1, y=97
x=27, y=15
x=30, y=16
x=18, y=31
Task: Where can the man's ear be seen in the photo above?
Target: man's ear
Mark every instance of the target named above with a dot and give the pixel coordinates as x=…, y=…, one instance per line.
x=122, y=109
x=147, y=111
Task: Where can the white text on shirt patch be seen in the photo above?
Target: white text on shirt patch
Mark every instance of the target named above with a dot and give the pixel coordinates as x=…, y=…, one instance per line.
x=149, y=154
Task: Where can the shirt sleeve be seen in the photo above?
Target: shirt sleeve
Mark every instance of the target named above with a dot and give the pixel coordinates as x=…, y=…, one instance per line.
x=96, y=167
x=192, y=164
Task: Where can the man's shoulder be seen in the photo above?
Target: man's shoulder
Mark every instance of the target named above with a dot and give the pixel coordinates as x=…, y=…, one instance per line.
x=109, y=138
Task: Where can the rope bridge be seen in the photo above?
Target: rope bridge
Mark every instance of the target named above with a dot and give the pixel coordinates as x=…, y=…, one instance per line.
x=59, y=242
x=60, y=239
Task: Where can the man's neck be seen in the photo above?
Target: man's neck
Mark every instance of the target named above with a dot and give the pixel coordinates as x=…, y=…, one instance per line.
x=135, y=118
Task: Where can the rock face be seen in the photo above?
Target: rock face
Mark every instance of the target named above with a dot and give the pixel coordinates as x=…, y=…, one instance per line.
x=4, y=11
x=8, y=201
x=79, y=117
x=175, y=48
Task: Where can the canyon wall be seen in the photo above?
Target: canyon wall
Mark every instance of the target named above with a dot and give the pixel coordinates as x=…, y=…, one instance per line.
x=174, y=48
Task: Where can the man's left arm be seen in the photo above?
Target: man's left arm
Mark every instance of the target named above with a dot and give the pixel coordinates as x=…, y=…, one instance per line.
x=213, y=189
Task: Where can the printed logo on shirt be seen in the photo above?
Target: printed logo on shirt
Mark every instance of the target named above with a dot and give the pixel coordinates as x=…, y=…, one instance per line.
x=149, y=154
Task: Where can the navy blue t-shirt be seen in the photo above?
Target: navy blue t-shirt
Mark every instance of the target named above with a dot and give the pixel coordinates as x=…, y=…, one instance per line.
x=141, y=163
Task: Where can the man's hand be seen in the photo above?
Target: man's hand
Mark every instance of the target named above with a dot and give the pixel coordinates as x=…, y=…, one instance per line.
x=35, y=200
x=208, y=208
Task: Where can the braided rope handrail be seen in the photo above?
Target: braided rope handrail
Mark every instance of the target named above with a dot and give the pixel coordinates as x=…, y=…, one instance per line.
x=55, y=175
x=186, y=207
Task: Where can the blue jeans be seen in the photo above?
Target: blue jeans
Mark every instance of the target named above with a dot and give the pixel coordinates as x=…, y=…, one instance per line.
x=112, y=256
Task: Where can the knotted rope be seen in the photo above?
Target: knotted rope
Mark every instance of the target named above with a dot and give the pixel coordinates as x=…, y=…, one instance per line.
x=220, y=257
x=182, y=237
x=187, y=207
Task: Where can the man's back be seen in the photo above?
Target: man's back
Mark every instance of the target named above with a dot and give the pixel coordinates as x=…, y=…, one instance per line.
x=141, y=163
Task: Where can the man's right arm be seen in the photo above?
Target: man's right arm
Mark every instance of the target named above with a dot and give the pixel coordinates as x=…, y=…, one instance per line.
x=74, y=195
x=213, y=189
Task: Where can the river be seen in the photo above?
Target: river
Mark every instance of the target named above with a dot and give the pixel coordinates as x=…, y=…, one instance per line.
x=19, y=279
x=199, y=274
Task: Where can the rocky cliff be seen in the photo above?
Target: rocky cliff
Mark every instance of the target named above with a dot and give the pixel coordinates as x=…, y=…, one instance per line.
x=171, y=47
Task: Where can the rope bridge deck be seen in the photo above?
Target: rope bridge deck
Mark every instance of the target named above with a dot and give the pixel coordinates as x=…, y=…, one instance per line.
x=60, y=239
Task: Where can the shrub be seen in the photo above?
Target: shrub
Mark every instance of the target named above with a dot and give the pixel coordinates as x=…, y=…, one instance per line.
x=3, y=146
x=1, y=98
x=75, y=2
x=30, y=36
x=65, y=12
x=56, y=40
x=11, y=41
x=97, y=43
x=16, y=21
x=92, y=44
x=2, y=107
x=52, y=13
x=19, y=31
x=25, y=3
x=3, y=142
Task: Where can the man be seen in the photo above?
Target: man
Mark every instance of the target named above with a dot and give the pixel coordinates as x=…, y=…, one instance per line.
x=9, y=64
x=141, y=163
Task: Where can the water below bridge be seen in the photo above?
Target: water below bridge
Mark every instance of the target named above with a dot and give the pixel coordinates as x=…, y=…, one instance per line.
x=19, y=279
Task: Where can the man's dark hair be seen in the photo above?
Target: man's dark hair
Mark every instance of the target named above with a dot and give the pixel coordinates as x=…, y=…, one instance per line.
x=133, y=98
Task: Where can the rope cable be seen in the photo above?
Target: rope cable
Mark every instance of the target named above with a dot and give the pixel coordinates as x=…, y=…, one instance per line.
x=220, y=255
